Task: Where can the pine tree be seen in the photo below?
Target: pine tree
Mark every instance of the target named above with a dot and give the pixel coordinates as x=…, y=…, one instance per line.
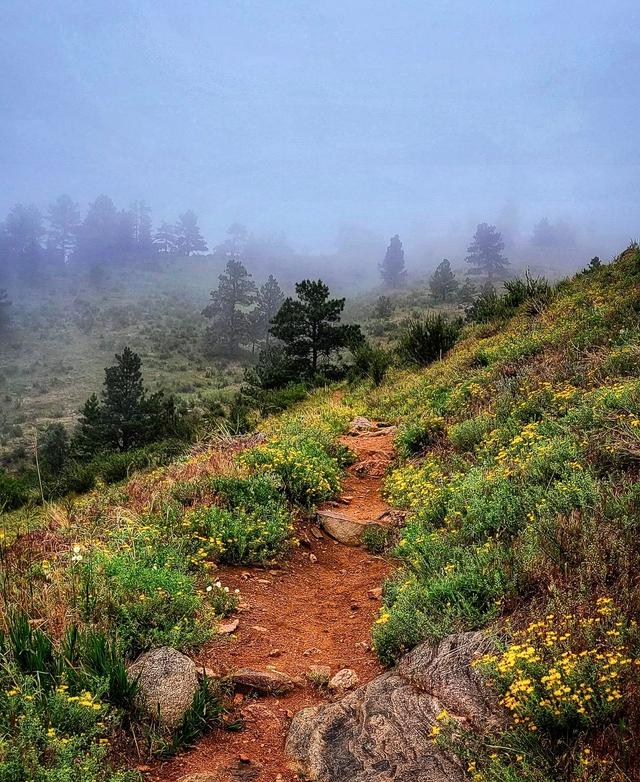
x=89, y=437
x=189, y=237
x=467, y=292
x=309, y=328
x=64, y=223
x=142, y=240
x=54, y=448
x=485, y=253
x=268, y=302
x=23, y=234
x=443, y=282
x=392, y=268
x=99, y=234
x=229, y=323
x=165, y=239
x=5, y=304
x=123, y=398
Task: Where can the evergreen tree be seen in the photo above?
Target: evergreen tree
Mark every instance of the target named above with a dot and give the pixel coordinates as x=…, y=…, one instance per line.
x=123, y=396
x=189, y=237
x=392, y=268
x=54, y=448
x=64, y=223
x=229, y=323
x=5, y=304
x=142, y=240
x=467, y=292
x=443, y=282
x=100, y=234
x=165, y=239
x=23, y=234
x=485, y=253
x=310, y=328
x=268, y=302
x=89, y=435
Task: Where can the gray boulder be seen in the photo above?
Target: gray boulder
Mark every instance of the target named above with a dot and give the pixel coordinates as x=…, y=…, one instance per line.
x=381, y=731
x=167, y=681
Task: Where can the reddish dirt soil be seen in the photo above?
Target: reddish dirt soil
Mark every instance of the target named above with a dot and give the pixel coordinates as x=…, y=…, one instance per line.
x=301, y=614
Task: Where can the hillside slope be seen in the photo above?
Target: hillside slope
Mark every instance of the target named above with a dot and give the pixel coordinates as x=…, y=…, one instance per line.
x=516, y=470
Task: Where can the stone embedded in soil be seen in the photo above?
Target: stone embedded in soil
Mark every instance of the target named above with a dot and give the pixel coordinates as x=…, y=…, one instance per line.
x=347, y=531
x=226, y=628
x=344, y=680
x=167, y=681
x=381, y=731
x=241, y=770
x=361, y=424
x=267, y=682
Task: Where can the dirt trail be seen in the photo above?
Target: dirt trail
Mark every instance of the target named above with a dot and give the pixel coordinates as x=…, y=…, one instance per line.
x=302, y=614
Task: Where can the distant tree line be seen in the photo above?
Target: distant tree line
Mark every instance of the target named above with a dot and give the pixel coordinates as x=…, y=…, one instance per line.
x=32, y=244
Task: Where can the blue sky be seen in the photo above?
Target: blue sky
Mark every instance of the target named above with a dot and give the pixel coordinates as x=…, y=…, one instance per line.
x=420, y=117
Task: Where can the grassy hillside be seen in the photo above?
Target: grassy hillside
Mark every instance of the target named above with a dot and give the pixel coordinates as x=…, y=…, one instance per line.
x=517, y=465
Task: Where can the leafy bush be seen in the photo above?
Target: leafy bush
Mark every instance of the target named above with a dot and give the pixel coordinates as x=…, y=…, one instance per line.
x=424, y=340
x=308, y=473
x=239, y=535
x=13, y=492
x=564, y=672
x=147, y=597
x=468, y=434
x=376, y=539
x=415, y=435
x=369, y=362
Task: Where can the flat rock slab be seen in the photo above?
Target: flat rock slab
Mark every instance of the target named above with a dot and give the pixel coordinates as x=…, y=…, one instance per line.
x=266, y=682
x=347, y=531
x=381, y=731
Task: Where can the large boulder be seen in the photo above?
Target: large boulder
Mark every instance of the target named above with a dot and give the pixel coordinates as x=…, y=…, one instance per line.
x=381, y=731
x=347, y=531
x=167, y=681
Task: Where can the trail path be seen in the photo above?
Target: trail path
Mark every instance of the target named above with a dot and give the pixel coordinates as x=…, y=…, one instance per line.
x=302, y=614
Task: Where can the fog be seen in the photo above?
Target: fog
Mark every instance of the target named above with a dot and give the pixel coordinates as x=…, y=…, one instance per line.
x=335, y=125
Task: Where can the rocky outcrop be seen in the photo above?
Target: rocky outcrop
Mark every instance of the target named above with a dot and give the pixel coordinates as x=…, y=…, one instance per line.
x=381, y=731
x=347, y=531
x=167, y=681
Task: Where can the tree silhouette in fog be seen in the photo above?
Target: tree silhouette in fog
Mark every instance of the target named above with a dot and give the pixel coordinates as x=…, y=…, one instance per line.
x=443, y=282
x=392, y=267
x=189, y=237
x=485, y=254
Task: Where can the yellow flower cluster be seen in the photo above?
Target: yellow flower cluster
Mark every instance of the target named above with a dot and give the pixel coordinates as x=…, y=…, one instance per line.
x=546, y=674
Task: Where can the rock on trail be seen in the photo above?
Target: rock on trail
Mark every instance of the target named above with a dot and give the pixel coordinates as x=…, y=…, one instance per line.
x=381, y=731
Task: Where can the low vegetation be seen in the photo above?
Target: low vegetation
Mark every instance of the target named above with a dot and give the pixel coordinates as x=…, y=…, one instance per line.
x=517, y=447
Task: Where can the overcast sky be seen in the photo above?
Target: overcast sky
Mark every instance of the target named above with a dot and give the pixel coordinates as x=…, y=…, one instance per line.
x=410, y=116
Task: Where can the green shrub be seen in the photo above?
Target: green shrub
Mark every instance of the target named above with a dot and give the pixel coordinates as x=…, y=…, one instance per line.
x=414, y=436
x=467, y=435
x=239, y=535
x=147, y=597
x=13, y=492
x=376, y=539
x=309, y=474
x=369, y=363
x=427, y=339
